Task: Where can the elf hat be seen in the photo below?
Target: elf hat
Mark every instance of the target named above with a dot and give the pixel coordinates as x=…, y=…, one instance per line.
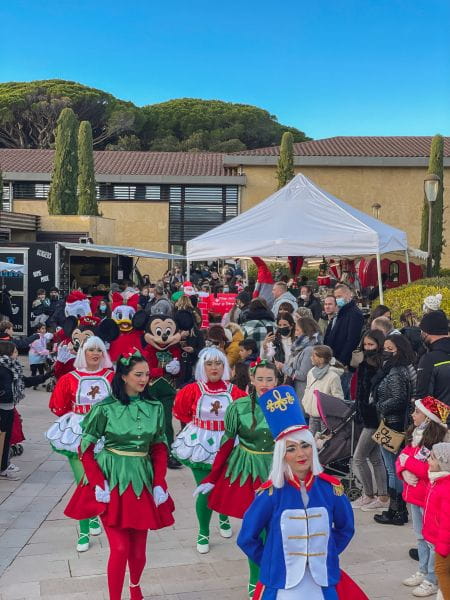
x=282, y=410
x=434, y=409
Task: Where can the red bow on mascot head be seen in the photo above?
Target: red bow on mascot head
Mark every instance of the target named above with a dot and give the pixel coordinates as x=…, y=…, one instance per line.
x=120, y=330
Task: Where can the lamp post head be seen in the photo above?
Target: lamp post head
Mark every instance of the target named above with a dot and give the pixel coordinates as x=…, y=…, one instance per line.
x=431, y=187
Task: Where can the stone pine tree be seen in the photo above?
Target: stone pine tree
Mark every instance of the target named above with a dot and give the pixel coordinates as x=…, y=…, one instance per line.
x=62, y=198
x=87, y=200
x=435, y=166
x=285, y=167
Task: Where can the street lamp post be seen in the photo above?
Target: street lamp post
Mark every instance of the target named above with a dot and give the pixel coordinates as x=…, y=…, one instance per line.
x=431, y=188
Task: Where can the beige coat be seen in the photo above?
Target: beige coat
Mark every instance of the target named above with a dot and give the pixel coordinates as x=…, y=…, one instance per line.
x=330, y=384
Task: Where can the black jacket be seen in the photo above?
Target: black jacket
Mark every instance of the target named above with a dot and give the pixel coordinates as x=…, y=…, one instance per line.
x=344, y=336
x=314, y=306
x=258, y=315
x=6, y=381
x=365, y=405
x=392, y=397
x=433, y=372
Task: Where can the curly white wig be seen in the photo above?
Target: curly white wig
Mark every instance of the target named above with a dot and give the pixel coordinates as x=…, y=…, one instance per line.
x=92, y=342
x=211, y=353
x=280, y=470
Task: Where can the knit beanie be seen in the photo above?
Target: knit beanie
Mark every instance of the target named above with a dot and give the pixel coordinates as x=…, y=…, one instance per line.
x=442, y=454
x=435, y=323
x=432, y=303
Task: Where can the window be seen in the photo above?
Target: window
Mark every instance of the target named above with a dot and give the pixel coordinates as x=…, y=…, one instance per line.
x=193, y=210
x=23, y=190
x=394, y=272
x=110, y=191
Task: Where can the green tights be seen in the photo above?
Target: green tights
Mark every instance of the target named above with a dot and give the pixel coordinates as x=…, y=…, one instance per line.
x=78, y=473
x=201, y=506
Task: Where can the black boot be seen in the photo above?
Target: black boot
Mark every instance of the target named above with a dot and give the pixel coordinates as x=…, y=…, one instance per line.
x=387, y=515
x=401, y=515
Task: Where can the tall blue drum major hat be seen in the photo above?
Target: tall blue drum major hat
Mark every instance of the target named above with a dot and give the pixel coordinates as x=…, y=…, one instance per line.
x=283, y=411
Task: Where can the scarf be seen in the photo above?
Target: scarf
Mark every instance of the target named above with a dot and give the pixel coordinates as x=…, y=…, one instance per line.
x=18, y=385
x=301, y=343
x=417, y=434
x=319, y=372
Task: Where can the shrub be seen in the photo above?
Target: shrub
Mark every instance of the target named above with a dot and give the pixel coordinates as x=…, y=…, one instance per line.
x=411, y=296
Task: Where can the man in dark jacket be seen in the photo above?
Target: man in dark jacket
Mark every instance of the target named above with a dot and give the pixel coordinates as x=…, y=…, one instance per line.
x=243, y=300
x=343, y=334
x=433, y=371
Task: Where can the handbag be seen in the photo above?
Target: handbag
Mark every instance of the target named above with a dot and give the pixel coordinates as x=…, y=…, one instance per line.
x=390, y=439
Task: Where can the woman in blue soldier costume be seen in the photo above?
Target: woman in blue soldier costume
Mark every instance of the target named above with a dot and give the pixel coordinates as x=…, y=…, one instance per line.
x=307, y=519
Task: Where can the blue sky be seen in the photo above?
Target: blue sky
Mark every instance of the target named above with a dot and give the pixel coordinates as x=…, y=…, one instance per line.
x=328, y=67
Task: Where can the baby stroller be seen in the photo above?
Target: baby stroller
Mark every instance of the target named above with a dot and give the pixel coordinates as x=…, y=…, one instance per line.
x=339, y=440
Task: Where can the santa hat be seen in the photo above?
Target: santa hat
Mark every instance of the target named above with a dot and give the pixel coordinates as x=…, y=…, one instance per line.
x=432, y=303
x=188, y=289
x=434, y=409
x=77, y=304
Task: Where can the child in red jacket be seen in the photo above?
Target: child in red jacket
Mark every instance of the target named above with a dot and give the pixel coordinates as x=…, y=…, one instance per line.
x=429, y=428
x=436, y=518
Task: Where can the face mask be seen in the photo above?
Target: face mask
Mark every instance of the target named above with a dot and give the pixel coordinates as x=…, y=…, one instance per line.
x=304, y=296
x=151, y=296
x=284, y=331
x=341, y=302
x=369, y=353
x=102, y=308
x=387, y=355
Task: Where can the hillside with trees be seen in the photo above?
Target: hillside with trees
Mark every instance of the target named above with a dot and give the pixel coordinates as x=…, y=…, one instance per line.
x=29, y=113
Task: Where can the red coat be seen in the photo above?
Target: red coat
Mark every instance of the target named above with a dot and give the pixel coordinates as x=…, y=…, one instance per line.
x=414, y=494
x=126, y=343
x=436, y=516
x=150, y=355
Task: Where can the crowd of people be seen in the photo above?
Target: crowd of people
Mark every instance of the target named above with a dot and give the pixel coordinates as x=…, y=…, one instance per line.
x=228, y=386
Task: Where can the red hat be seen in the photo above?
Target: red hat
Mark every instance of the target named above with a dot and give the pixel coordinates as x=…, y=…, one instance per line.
x=188, y=289
x=434, y=409
x=88, y=322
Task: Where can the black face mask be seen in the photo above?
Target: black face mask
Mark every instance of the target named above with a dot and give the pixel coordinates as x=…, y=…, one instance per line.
x=284, y=331
x=387, y=355
x=369, y=353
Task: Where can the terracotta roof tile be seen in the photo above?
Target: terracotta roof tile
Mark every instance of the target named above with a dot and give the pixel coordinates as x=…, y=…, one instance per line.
x=121, y=162
x=387, y=146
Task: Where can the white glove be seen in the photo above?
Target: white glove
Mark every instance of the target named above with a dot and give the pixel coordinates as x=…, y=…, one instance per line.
x=102, y=495
x=159, y=495
x=173, y=367
x=410, y=478
x=203, y=488
x=64, y=354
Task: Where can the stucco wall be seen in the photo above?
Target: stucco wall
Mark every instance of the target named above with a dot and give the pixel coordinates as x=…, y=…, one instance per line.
x=398, y=190
x=142, y=225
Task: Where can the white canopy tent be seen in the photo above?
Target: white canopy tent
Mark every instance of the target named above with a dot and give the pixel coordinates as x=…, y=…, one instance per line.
x=301, y=219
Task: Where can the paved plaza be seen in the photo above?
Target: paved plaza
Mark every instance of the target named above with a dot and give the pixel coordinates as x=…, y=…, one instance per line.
x=38, y=559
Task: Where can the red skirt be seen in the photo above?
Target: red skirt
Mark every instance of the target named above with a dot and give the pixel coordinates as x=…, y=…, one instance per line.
x=17, y=434
x=233, y=499
x=125, y=511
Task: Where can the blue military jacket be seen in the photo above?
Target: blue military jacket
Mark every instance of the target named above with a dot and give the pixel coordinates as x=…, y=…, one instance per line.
x=298, y=536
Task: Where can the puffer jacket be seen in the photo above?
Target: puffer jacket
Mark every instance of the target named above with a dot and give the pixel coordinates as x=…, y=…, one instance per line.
x=392, y=397
x=329, y=384
x=365, y=407
x=414, y=494
x=436, y=516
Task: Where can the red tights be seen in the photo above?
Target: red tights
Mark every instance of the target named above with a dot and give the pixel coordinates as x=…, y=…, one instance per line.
x=125, y=546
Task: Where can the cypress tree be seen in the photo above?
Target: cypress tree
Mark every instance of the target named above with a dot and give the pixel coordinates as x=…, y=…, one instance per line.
x=1, y=190
x=62, y=197
x=435, y=166
x=87, y=201
x=285, y=167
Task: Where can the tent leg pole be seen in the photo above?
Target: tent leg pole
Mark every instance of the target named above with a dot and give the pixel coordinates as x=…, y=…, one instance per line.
x=188, y=269
x=380, y=281
x=408, y=270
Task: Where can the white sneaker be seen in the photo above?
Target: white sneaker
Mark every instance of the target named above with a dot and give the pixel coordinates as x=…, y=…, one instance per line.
x=9, y=475
x=12, y=468
x=362, y=501
x=414, y=580
x=376, y=504
x=426, y=588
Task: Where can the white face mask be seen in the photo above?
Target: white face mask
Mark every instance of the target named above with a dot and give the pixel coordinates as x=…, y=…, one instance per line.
x=304, y=296
x=151, y=296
